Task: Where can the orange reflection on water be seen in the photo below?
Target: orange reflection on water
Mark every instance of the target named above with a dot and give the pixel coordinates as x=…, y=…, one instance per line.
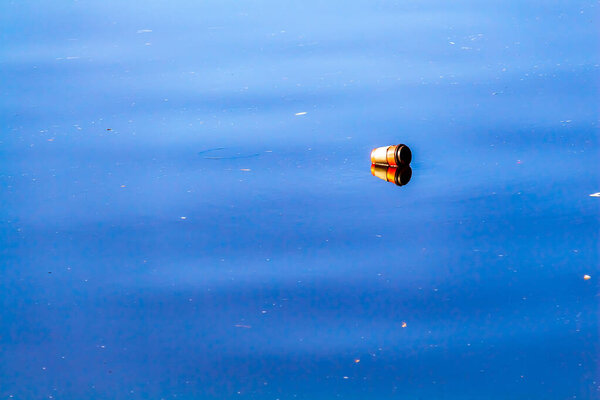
x=397, y=175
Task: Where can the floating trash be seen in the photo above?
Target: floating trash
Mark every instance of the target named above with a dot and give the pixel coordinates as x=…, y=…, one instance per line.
x=392, y=164
x=391, y=155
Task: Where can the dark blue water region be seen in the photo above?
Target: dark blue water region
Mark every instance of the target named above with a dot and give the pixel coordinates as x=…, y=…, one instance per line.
x=188, y=210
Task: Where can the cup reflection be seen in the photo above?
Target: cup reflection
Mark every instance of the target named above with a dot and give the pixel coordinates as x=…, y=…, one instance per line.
x=397, y=175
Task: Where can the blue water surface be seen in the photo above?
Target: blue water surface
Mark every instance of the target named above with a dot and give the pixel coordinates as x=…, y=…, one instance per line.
x=188, y=212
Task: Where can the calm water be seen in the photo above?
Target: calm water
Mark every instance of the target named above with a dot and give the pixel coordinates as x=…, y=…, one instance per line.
x=170, y=228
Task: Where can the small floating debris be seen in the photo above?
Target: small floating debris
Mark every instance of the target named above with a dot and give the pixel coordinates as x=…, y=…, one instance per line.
x=227, y=155
x=595, y=194
x=300, y=113
x=182, y=218
x=587, y=277
x=404, y=324
x=209, y=150
x=144, y=30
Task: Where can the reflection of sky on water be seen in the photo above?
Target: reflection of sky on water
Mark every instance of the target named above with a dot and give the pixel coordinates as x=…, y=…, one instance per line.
x=291, y=260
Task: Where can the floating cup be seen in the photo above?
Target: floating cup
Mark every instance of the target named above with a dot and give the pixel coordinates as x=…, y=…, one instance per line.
x=391, y=155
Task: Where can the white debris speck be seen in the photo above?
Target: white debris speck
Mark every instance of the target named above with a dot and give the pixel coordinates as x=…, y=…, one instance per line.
x=182, y=217
x=245, y=169
x=595, y=194
x=301, y=113
x=144, y=30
